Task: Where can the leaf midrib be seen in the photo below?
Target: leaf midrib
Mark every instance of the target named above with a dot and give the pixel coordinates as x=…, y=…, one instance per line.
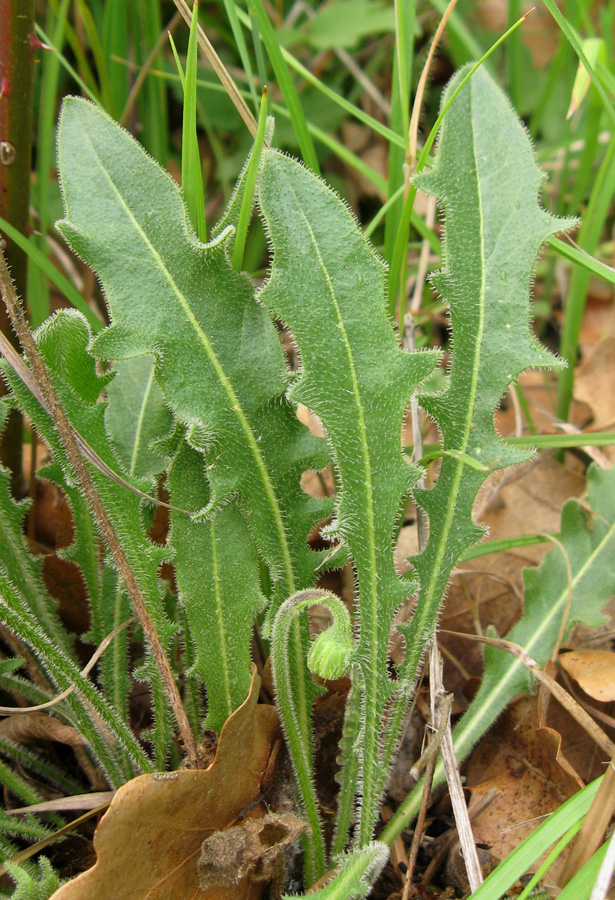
x=218, y=368
x=452, y=502
x=359, y=405
x=140, y=422
x=373, y=670
x=222, y=648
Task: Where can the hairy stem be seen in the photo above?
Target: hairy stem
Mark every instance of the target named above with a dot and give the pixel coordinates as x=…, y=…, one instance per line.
x=65, y=431
x=335, y=642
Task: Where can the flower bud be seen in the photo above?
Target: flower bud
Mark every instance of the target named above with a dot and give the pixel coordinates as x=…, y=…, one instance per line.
x=331, y=652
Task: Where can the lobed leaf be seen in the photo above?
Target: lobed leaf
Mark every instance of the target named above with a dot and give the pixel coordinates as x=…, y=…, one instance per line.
x=328, y=286
x=486, y=177
x=217, y=355
x=488, y=182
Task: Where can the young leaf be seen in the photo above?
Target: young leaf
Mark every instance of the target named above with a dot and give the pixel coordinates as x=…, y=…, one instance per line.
x=487, y=179
x=217, y=572
x=327, y=285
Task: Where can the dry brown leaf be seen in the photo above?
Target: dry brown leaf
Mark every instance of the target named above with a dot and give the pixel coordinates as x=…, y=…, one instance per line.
x=593, y=670
x=595, y=386
x=149, y=841
x=598, y=317
x=523, y=762
x=34, y=727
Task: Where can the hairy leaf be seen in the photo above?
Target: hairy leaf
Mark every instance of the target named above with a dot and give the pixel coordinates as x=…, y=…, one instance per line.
x=65, y=673
x=356, y=873
x=34, y=885
x=63, y=337
x=327, y=285
x=136, y=415
x=217, y=574
x=23, y=570
x=217, y=353
x=218, y=358
x=487, y=179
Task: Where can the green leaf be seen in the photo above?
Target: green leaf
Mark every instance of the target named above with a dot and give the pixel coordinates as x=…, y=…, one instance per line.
x=217, y=572
x=25, y=758
x=39, y=886
x=136, y=415
x=85, y=700
x=343, y=23
x=62, y=341
x=327, y=285
x=488, y=182
x=285, y=82
x=552, y=605
x=192, y=177
x=358, y=869
x=533, y=847
x=217, y=354
x=22, y=569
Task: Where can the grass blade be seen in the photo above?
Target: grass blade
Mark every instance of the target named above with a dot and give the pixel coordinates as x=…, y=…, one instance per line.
x=192, y=177
x=589, y=235
x=577, y=45
x=287, y=87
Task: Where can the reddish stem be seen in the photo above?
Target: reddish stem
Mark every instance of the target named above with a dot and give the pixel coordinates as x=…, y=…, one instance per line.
x=16, y=86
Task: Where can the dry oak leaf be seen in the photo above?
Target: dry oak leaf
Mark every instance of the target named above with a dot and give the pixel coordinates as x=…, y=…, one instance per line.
x=149, y=841
x=33, y=727
x=593, y=670
x=595, y=386
x=523, y=762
